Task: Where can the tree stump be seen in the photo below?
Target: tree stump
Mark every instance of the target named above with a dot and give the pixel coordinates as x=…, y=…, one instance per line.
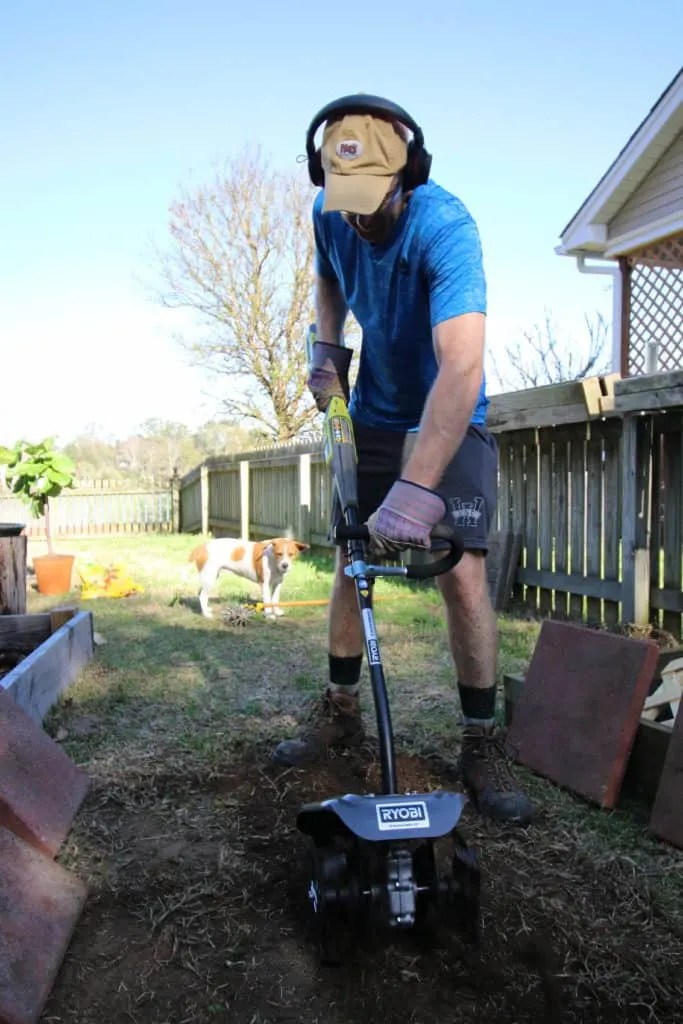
x=13, y=575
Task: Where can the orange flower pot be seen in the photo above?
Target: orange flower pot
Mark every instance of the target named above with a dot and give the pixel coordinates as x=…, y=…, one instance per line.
x=53, y=573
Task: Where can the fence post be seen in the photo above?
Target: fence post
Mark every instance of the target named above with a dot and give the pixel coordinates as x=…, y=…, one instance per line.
x=304, y=514
x=244, y=499
x=176, y=508
x=636, y=452
x=204, y=496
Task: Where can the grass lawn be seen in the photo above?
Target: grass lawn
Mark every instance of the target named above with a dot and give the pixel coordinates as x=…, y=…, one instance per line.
x=198, y=908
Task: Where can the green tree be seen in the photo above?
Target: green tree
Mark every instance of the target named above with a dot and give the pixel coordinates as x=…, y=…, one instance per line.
x=157, y=450
x=224, y=437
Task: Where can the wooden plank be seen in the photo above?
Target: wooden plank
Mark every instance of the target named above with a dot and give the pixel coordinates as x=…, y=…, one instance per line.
x=503, y=502
x=543, y=397
x=656, y=525
x=673, y=533
x=58, y=616
x=561, y=522
x=608, y=383
x=23, y=633
x=649, y=382
x=501, y=565
x=245, y=498
x=593, y=522
x=641, y=401
x=545, y=533
x=531, y=524
x=518, y=499
x=666, y=600
x=500, y=422
x=36, y=683
x=603, y=429
x=629, y=514
x=592, y=395
x=666, y=423
x=646, y=762
x=569, y=432
x=521, y=438
x=13, y=575
x=512, y=690
x=612, y=490
x=204, y=497
x=641, y=555
x=577, y=502
x=594, y=587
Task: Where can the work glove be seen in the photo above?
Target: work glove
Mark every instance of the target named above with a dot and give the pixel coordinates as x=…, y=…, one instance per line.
x=328, y=375
x=405, y=519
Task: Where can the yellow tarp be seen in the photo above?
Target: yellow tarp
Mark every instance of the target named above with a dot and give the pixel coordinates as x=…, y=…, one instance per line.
x=112, y=580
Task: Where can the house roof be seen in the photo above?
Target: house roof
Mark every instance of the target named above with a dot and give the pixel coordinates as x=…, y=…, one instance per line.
x=586, y=233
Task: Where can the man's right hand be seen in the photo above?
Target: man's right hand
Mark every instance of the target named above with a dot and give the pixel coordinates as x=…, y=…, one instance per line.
x=328, y=376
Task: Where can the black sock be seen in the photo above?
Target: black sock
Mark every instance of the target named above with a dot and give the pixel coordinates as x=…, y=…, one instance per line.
x=478, y=706
x=345, y=674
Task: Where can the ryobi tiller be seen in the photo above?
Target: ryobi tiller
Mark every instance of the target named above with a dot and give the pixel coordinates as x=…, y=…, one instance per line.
x=373, y=857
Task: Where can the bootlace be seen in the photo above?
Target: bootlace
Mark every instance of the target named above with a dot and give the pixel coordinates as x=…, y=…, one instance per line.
x=491, y=747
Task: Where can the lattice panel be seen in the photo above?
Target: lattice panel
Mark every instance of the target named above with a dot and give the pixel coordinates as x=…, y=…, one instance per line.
x=657, y=306
x=667, y=253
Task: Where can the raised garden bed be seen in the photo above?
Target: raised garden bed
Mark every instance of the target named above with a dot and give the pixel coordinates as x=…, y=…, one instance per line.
x=42, y=654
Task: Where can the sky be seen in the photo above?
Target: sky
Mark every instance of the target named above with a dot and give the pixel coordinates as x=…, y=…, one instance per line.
x=106, y=110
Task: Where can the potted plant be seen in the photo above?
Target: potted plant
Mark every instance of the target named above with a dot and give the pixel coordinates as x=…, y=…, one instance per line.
x=36, y=473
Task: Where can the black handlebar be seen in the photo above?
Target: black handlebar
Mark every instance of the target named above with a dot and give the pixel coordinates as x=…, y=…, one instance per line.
x=441, y=532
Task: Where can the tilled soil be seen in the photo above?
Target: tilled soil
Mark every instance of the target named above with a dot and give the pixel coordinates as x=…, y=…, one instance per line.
x=198, y=912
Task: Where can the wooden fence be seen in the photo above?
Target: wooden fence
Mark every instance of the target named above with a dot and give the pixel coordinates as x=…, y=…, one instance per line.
x=590, y=476
x=97, y=507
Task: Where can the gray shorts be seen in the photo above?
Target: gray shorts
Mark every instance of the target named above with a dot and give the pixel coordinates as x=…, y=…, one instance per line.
x=469, y=484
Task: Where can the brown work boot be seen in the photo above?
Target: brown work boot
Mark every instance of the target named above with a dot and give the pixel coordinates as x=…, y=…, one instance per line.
x=485, y=771
x=336, y=723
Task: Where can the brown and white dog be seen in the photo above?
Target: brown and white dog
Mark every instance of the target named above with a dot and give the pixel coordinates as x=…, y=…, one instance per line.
x=266, y=562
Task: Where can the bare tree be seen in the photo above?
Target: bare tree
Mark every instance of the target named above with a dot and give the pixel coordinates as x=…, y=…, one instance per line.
x=241, y=258
x=540, y=357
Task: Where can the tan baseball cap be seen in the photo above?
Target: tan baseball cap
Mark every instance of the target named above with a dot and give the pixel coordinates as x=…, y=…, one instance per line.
x=360, y=155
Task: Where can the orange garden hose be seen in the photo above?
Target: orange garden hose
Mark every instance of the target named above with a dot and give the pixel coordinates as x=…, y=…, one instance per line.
x=322, y=601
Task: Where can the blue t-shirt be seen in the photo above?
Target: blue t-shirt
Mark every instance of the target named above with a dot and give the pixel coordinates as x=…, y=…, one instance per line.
x=430, y=270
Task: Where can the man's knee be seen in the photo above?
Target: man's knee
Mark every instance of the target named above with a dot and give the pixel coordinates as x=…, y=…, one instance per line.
x=466, y=582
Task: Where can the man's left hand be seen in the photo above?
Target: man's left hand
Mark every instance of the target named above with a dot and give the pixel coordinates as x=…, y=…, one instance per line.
x=405, y=519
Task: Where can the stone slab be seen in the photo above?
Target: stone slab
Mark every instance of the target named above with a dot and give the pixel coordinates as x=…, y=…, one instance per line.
x=578, y=713
x=40, y=904
x=41, y=789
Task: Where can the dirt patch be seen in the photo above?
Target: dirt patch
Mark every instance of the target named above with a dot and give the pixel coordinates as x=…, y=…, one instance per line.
x=199, y=913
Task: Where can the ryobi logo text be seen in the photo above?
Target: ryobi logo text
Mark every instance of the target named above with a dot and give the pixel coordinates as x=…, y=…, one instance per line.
x=391, y=817
x=371, y=634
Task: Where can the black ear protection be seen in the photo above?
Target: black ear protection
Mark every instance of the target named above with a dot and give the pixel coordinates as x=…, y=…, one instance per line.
x=419, y=162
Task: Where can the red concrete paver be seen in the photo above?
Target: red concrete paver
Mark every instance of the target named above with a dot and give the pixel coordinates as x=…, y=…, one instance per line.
x=40, y=904
x=578, y=713
x=41, y=789
x=666, y=818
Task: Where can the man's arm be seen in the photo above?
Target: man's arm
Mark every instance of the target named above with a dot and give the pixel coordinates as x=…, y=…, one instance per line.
x=453, y=269
x=330, y=310
x=459, y=347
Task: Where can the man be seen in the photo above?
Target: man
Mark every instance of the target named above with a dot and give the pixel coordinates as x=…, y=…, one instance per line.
x=408, y=263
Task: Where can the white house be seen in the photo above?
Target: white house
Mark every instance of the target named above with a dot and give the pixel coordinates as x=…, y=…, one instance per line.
x=632, y=225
